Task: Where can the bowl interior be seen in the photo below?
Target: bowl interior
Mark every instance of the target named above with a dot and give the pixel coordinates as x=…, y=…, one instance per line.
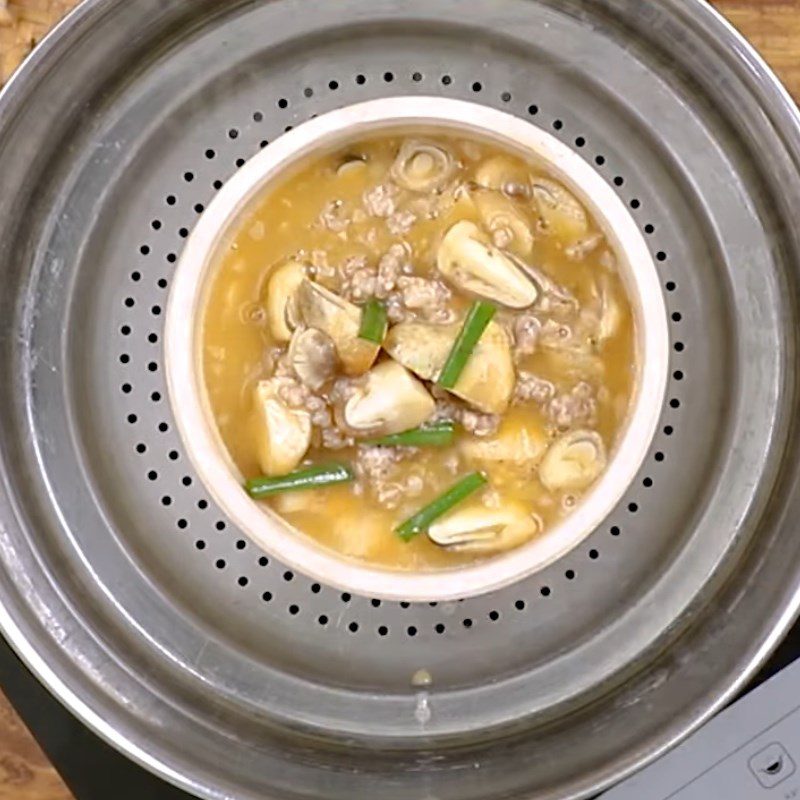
x=200, y=259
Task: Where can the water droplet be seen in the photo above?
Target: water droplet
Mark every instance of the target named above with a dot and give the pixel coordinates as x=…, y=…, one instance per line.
x=421, y=678
x=422, y=713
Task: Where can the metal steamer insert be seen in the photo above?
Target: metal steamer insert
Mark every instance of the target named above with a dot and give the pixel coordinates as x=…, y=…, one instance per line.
x=141, y=606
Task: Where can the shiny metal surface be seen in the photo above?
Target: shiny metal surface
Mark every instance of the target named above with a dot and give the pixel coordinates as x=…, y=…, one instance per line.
x=234, y=678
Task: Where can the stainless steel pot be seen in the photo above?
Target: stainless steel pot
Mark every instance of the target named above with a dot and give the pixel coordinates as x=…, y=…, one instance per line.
x=138, y=603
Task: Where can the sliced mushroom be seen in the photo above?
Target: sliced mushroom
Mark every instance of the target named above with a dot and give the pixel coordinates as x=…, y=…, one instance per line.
x=485, y=530
x=284, y=433
x=504, y=221
x=471, y=263
x=351, y=165
x=553, y=298
x=599, y=319
x=610, y=310
x=573, y=462
x=312, y=354
x=391, y=400
x=422, y=166
x=282, y=311
x=324, y=310
x=501, y=174
x=563, y=216
x=487, y=381
x=584, y=247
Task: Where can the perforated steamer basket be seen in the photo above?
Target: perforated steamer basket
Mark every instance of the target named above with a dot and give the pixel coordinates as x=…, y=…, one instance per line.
x=141, y=607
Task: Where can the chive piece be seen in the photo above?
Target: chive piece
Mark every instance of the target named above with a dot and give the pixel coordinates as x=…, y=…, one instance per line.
x=305, y=478
x=479, y=316
x=438, y=434
x=373, y=321
x=423, y=519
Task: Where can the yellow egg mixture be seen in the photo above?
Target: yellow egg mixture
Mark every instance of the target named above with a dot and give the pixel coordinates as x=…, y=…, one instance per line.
x=425, y=225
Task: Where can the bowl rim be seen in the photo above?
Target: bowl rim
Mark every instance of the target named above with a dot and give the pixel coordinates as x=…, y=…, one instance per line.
x=187, y=392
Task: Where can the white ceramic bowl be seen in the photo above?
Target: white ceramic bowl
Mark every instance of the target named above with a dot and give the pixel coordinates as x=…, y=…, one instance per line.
x=188, y=394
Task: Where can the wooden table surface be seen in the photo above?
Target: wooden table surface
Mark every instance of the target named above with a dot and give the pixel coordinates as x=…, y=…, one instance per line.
x=772, y=25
